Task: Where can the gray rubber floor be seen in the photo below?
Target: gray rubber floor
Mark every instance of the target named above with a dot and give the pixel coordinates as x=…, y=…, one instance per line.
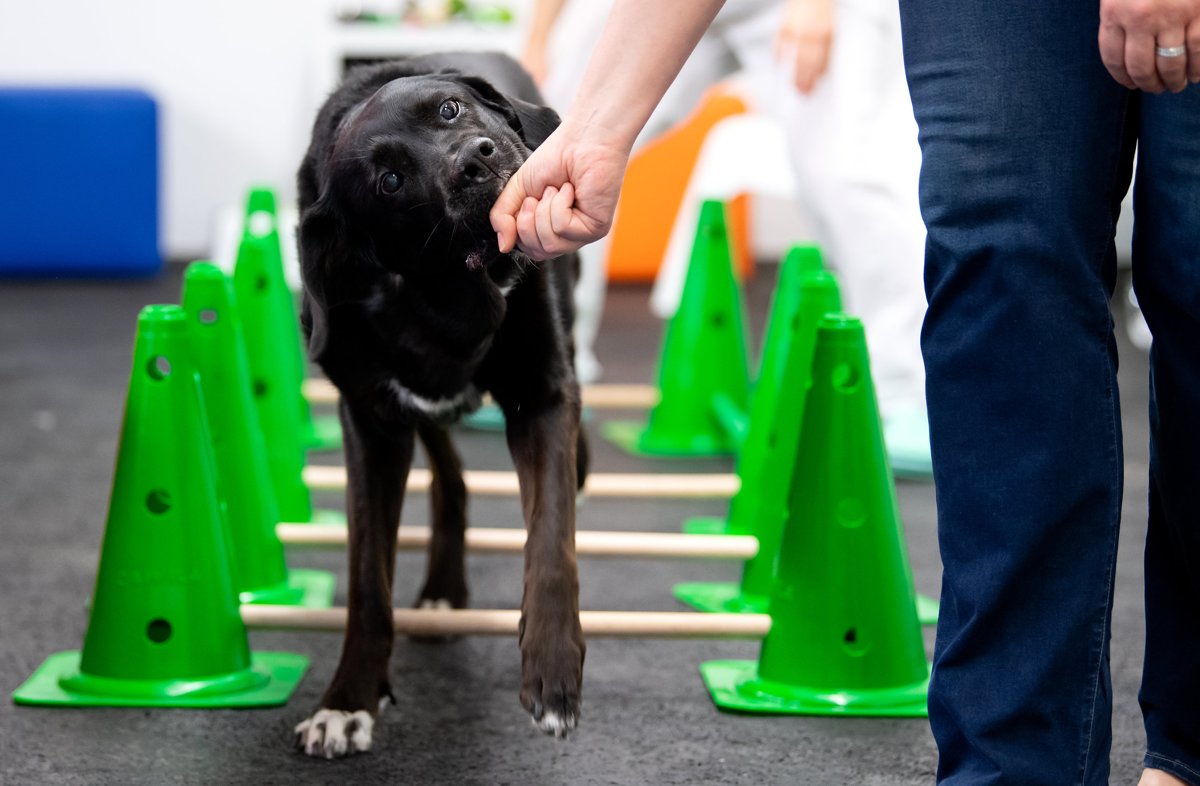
x=64, y=365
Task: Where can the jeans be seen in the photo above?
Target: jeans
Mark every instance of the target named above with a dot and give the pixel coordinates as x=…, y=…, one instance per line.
x=1027, y=147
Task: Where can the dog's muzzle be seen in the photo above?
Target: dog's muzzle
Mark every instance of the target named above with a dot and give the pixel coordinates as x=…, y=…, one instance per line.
x=475, y=162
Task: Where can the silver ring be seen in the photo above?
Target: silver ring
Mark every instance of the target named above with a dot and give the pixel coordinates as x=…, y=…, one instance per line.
x=1170, y=51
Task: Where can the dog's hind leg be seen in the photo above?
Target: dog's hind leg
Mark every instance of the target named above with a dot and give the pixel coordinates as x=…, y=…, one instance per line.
x=377, y=463
x=445, y=573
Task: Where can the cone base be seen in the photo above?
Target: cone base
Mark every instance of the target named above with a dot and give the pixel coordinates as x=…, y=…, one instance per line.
x=720, y=598
x=325, y=434
x=638, y=439
x=269, y=682
x=736, y=686
x=716, y=597
x=324, y=516
x=489, y=417
x=310, y=589
x=710, y=525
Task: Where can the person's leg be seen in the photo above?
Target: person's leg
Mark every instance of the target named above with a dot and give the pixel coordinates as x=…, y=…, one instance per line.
x=1166, y=273
x=1026, y=151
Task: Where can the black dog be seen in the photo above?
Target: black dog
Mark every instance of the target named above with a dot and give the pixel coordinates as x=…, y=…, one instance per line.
x=413, y=313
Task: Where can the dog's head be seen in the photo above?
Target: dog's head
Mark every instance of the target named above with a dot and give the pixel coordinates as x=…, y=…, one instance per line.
x=408, y=177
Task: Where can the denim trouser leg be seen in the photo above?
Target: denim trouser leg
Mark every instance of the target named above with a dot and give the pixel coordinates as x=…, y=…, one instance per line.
x=1026, y=143
x=1167, y=278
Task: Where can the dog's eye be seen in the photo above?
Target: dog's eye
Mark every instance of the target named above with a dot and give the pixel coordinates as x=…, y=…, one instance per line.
x=449, y=109
x=390, y=183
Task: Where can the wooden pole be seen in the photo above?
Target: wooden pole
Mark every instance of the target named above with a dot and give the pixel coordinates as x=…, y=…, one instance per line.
x=599, y=484
x=320, y=391
x=503, y=622
x=511, y=540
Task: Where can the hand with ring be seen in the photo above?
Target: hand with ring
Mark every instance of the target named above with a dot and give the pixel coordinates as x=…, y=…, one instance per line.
x=1151, y=46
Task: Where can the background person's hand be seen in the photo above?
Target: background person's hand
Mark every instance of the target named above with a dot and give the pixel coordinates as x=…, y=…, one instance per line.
x=1130, y=30
x=805, y=38
x=563, y=197
x=533, y=60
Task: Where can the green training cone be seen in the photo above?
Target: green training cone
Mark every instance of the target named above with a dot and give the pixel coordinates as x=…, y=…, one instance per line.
x=260, y=573
x=262, y=220
x=703, y=374
x=767, y=464
x=164, y=628
x=804, y=292
x=844, y=637
x=266, y=311
x=261, y=199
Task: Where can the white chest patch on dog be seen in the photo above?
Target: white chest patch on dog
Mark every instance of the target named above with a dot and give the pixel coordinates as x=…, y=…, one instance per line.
x=437, y=409
x=335, y=733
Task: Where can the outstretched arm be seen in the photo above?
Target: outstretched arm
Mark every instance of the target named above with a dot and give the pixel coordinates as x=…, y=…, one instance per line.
x=565, y=194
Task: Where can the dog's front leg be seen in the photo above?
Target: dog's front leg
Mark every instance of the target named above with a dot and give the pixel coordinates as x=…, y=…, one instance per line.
x=377, y=464
x=542, y=442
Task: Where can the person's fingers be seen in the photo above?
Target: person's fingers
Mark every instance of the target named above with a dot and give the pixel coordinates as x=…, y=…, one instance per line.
x=560, y=228
x=1193, y=55
x=541, y=219
x=1140, y=62
x=1112, y=53
x=802, y=73
x=812, y=59
x=533, y=59
x=503, y=214
x=529, y=241
x=1172, y=70
x=561, y=209
x=807, y=51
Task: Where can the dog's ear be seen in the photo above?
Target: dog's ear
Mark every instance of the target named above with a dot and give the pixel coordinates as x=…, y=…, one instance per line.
x=532, y=121
x=320, y=240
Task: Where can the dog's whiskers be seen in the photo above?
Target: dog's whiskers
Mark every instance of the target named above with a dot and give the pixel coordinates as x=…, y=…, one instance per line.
x=489, y=168
x=431, y=234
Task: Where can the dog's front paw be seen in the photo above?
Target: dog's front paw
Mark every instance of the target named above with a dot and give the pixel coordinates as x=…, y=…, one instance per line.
x=553, y=723
x=551, y=679
x=335, y=733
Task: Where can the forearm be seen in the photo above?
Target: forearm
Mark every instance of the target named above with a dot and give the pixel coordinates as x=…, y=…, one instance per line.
x=642, y=48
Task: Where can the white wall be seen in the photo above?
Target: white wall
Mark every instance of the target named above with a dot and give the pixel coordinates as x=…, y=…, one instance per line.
x=238, y=83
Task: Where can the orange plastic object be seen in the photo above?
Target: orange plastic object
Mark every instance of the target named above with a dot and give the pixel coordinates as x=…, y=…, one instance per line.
x=653, y=191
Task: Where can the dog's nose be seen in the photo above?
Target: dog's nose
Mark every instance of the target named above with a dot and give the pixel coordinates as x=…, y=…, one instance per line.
x=472, y=164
